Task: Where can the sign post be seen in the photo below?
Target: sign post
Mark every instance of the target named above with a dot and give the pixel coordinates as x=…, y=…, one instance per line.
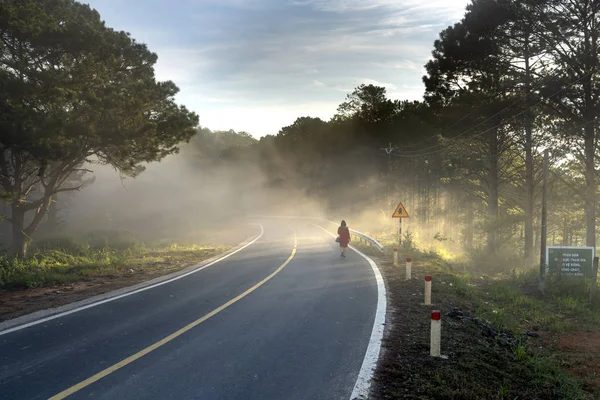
x=576, y=262
x=400, y=213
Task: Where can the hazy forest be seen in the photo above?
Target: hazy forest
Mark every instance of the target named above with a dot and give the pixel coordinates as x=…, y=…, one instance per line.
x=82, y=116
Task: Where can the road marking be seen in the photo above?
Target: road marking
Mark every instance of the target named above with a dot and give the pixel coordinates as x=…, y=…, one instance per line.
x=363, y=382
x=172, y=336
x=62, y=314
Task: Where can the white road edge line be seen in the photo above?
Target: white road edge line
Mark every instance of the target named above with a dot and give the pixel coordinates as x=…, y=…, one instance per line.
x=62, y=314
x=365, y=376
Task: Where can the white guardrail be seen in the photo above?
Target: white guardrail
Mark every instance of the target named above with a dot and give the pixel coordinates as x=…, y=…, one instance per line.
x=368, y=240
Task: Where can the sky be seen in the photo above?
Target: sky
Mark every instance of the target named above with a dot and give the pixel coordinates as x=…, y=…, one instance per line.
x=257, y=65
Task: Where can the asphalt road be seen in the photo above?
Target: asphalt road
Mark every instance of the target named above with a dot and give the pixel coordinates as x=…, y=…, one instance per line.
x=302, y=334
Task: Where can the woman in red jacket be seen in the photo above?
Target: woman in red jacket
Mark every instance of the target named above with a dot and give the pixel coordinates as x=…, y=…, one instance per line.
x=343, y=238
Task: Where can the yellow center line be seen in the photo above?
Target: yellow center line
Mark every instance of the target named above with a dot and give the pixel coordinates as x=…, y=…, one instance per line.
x=141, y=353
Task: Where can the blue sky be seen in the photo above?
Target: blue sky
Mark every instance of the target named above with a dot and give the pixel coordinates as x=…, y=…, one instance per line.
x=257, y=65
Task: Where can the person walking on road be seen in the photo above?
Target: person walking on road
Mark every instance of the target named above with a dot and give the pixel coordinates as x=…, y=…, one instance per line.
x=343, y=238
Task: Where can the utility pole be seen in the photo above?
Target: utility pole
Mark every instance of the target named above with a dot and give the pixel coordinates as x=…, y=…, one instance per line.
x=543, y=260
x=389, y=150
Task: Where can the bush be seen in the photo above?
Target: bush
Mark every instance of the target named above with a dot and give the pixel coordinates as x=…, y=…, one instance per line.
x=64, y=259
x=89, y=242
x=56, y=267
x=479, y=260
x=115, y=239
x=68, y=243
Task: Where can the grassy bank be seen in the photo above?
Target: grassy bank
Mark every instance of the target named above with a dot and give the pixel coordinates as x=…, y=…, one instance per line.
x=504, y=340
x=64, y=260
x=58, y=267
x=66, y=269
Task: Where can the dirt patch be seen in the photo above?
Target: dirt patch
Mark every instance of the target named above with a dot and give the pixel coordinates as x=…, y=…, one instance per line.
x=581, y=354
x=481, y=363
x=587, y=342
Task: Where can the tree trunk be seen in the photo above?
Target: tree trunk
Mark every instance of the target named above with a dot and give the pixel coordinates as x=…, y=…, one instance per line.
x=590, y=180
x=53, y=214
x=20, y=239
x=591, y=59
x=529, y=184
x=493, y=182
x=565, y=241
x=529, y=179
x=469, y=227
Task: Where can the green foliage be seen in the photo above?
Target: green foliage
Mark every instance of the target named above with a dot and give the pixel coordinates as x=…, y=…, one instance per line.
x=408, y=244
x=72, y=89
x=520, y=352
x=56, y=267
x=103, y=254
x=207, y=146
x=478, y=260
x=91, y=241
x=462, y=286
x=368, y=104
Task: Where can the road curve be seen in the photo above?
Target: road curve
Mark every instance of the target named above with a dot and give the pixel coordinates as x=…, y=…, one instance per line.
x=285, y=318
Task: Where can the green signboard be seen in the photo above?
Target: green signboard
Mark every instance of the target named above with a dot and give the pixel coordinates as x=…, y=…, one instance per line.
x=570, y=261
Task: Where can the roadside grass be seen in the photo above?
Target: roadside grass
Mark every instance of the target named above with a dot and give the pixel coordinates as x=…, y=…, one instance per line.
x=67, y=260
x=543, y=346
x=523, y=359
x=501, y=304
x=513, y=303
x=512, y=299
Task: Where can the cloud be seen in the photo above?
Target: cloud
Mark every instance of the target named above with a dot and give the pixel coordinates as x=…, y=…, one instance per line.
x=410, y=6
x=408, y=65
x=377, y=83
x=236, y=58
x=261, y=120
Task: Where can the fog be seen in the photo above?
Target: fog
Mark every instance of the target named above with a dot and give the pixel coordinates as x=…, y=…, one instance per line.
x=199, y=198
x=178, y=200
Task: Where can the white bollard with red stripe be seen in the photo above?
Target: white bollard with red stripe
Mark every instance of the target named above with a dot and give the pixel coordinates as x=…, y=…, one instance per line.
x=428, y=290
x=408, y=269
x=436, y=333
x=395, y=257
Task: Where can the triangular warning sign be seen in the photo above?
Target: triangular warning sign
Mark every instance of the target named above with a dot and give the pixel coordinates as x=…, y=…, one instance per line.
x=400, y=212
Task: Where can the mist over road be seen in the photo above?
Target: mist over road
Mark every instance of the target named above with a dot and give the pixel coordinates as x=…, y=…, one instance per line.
x=284, y=318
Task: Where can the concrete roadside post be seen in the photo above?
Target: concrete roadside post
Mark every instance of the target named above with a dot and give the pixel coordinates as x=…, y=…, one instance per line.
x=428, y=290
x=395, y=257
x=436, y=333
x=408, y=269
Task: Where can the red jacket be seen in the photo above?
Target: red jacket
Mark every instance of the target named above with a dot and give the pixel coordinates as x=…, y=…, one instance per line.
x=344, y=234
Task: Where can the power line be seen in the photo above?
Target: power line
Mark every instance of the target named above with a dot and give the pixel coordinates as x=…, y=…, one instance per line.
x=389, y=150
x=493, y=116
x=554, y=72
x=492, y=128
x=546, y=80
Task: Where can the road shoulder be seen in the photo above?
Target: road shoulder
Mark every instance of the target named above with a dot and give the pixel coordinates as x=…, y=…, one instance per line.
x=498, y=340
x=70, y=307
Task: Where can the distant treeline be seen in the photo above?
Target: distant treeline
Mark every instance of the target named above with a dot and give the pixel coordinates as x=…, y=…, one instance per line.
x=510, y=79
